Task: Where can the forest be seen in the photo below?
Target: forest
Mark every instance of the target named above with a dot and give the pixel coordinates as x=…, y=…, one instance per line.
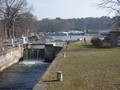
x=90, y=23
x=58, y=24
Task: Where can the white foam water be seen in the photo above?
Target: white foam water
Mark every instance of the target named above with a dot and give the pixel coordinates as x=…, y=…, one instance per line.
x=33, y=62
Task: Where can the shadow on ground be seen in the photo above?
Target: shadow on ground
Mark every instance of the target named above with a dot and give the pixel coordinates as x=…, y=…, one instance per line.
x=50, y=81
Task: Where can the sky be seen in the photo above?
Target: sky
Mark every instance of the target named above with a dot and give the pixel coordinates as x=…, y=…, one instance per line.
x=66, y=9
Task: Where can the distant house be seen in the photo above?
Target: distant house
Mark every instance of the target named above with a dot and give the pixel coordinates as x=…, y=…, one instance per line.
x=104, y=34
x=115, y=38
x=75, y=32
x=112, y=36
x=34, y=38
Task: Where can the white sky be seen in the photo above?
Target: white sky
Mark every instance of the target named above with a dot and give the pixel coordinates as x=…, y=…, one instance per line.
x=66, y=9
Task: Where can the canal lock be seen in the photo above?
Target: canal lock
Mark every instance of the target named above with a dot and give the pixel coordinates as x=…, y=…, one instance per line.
x=22, y=76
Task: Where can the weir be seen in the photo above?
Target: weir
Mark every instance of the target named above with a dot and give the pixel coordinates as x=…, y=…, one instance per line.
x=34, y=53
x=40, y=52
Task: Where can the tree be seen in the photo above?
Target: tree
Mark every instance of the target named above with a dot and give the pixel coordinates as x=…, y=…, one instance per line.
x=27, y=22
x=10, y=11
x=111, y=5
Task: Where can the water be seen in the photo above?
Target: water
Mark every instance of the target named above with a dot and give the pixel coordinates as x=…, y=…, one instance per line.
x=22, y=76
x=73, y=37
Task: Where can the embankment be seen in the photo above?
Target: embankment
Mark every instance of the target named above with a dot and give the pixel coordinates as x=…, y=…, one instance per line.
x=9, y=58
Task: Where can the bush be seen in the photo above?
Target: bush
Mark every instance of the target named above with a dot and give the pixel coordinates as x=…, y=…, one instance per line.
x=97, y=42
x=100, y=43
x=94, y=40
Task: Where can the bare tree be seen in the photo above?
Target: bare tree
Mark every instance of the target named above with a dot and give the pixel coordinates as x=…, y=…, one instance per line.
x=27, y=22
x=10, y=11
x=110, y=5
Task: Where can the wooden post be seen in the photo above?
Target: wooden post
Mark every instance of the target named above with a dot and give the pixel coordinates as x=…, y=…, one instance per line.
x=59, y=76
x=64, y=54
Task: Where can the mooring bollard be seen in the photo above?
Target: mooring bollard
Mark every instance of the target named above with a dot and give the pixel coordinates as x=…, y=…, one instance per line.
x=64, y=54
x=59, y=76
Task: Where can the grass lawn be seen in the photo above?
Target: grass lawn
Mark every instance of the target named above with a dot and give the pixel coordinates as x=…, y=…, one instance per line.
x=87, y=68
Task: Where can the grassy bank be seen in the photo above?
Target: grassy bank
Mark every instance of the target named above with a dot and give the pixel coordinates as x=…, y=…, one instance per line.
x=87, y=68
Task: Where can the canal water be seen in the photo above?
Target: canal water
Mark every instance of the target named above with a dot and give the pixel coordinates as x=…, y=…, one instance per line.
x=22, y=76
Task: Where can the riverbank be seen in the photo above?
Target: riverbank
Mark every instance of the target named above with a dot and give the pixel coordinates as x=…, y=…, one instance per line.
x=85, y=67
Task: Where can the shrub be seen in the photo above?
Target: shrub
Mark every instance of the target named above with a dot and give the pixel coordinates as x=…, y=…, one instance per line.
x=97, y=42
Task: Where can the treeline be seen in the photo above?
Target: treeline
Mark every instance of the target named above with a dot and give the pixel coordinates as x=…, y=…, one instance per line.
x=30, y=22
x=90, y=23
x=16, y=19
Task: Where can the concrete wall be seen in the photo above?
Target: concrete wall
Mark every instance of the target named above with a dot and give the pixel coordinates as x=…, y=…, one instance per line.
x=49, y=55
x=57, y=49
x=51, y=52
x=9, y=58
x=114, y=37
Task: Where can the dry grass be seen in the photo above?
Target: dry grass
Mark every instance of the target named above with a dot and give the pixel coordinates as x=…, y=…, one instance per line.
x=88, y=68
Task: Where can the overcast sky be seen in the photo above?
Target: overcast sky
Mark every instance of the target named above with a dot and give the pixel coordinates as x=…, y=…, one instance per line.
x=66, y=9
